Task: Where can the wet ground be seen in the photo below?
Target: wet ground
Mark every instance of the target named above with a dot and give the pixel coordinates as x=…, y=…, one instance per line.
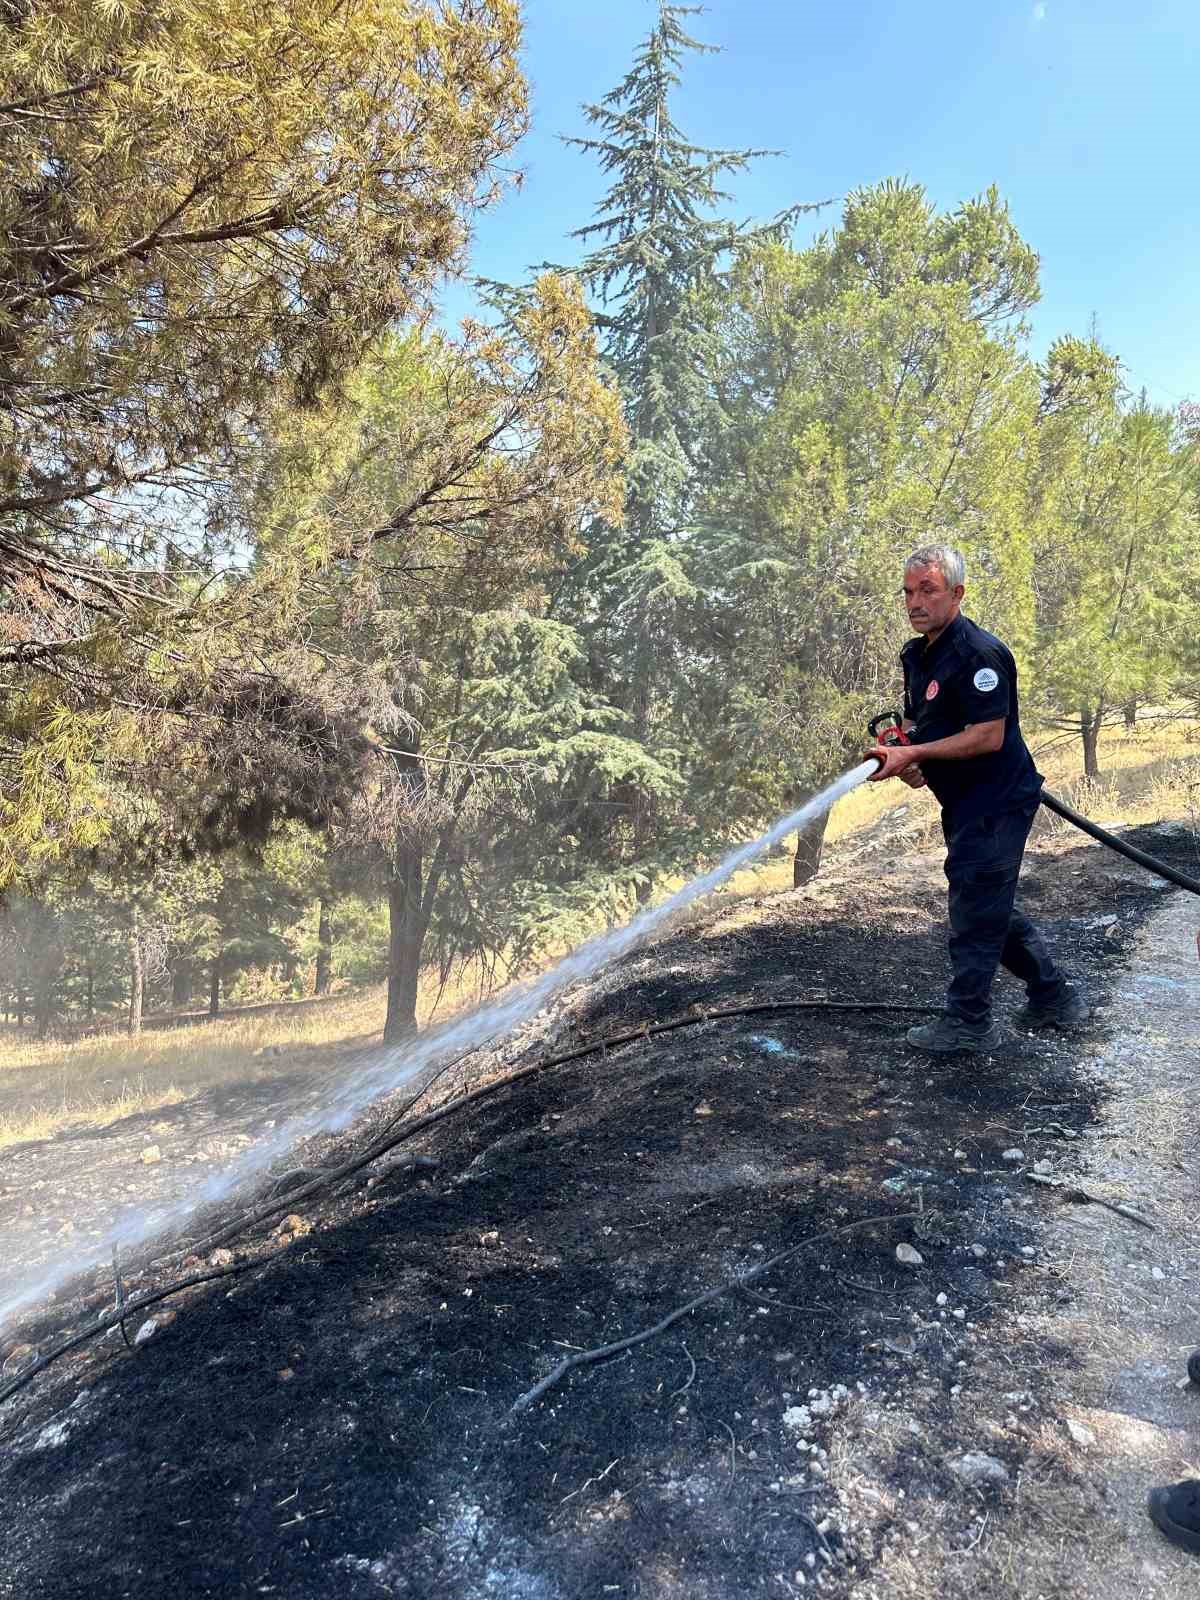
x=339, y=1421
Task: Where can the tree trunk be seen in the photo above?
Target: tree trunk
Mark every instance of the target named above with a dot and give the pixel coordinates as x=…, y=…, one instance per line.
x=137, y=976
x=91, y=991
x=324, y=949
x=181, y=983
x=43, y=1006
x=1089, y=723
x=214, y=988
x=406, y=935
x=810, y=842
x=1129, y=710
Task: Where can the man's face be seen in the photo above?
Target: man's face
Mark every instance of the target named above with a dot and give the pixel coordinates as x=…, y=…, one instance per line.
x=931, y=604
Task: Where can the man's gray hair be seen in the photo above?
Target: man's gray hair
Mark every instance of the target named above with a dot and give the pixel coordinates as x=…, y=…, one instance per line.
x=945, y=557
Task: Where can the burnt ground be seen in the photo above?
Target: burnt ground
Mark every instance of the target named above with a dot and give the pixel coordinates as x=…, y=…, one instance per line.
x=337, y=1422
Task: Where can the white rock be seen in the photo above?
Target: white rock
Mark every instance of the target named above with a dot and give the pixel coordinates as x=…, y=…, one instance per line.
x=150, y=1155
x=975, y=1468
x=1157, y=1274
x=1042, y=1167
x=797, y=1418
x=942, y=1300
x=978, y=1252
x=147, y=1331
x=1081, y=1435
x=52, y=1435
x=1014, y=1155
x=909, y=1257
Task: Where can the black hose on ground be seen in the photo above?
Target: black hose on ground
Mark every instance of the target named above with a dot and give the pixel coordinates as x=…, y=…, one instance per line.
x=1151, y=863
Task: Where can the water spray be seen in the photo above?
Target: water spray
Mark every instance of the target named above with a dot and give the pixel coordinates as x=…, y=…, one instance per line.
x=391, y=1068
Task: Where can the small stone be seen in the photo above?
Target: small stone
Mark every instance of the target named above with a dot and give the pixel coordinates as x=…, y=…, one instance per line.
x=909, y=1257
x=52, y=1435
x=942, y=1300
x=703, y=1110
x=294, y=1227
x=1027, y=1251
x=147, y=1330
x=1013, y=1156
x=1157, y=1274
x=960, y=1155
x=1042, y=1167
x=975, y=1469
x=491, y=1239
x=150, y=1155
x=895, y=1144
x=221, y=1258
x=979, y=1252
x=1081, y=1434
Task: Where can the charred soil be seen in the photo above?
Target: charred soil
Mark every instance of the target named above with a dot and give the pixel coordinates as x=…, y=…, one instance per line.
x=339, y=1420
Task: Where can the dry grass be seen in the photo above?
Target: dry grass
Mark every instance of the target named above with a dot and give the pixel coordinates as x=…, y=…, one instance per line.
x=230, y=1041
x=46, y=1084
x=43, y=1121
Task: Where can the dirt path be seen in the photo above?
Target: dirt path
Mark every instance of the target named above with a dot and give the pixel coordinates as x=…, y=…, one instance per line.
x=339, y=1424
x=1135, y=1316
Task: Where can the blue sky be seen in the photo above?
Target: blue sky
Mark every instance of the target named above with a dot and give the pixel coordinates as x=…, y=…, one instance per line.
x=1081, y=111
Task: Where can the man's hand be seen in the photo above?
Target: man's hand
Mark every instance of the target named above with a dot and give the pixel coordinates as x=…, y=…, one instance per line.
x=894, y=761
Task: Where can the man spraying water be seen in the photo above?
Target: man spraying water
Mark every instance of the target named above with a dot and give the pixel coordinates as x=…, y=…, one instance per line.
x=961, y=718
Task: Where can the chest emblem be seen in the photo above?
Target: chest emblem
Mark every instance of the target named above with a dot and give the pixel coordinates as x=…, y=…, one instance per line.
x=932, y=692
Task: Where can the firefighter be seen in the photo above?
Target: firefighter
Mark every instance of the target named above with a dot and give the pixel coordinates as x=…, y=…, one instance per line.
x=961, y=716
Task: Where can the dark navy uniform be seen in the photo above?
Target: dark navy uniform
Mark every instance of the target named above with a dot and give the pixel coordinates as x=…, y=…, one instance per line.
x=988, y=804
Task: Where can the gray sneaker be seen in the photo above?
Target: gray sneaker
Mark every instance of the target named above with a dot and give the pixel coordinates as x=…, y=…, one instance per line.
x=948, y=1035
x=1069, y=1011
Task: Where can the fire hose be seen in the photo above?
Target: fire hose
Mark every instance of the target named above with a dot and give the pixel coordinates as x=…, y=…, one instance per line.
x=888, y=729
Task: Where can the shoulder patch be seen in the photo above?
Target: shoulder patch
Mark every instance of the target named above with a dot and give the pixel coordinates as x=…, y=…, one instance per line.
x=986, y=680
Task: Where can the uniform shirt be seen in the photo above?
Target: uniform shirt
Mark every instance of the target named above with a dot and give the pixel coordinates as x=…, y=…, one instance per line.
x=966, y=676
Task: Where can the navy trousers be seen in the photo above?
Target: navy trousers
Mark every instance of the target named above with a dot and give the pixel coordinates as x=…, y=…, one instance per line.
x=987, y=929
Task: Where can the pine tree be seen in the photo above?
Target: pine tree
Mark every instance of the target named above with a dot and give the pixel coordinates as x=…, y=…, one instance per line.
x=661, y=252
x=873, y=397
x=1114, y=518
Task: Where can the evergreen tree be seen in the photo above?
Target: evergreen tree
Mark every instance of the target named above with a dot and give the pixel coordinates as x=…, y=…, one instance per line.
x=659, y=250
x=205, y=207
x=873, y=397
x=461, y=476
x=1116, y=545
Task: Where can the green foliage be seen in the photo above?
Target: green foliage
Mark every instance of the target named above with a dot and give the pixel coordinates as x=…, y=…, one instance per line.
x=1116, y=543
x=207, y=210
